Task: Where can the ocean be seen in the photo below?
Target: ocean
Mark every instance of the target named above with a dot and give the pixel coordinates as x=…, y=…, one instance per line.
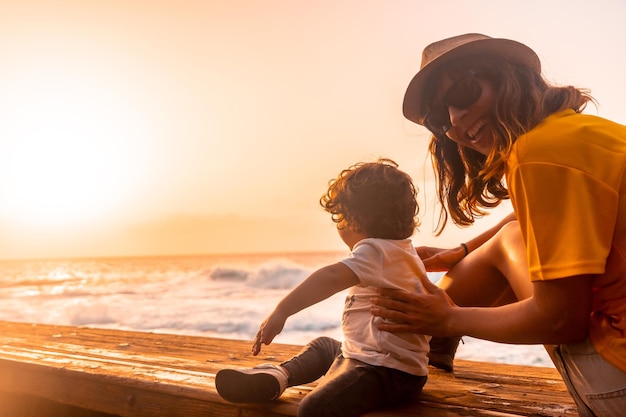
x=224, y=296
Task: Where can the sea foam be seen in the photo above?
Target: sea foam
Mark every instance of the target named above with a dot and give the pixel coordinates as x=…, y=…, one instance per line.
x=219, y=296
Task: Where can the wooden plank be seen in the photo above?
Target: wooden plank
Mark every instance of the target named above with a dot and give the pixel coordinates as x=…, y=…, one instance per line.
x=145, y=374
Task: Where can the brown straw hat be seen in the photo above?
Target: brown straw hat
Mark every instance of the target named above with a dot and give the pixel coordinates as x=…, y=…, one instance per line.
x=470, y=44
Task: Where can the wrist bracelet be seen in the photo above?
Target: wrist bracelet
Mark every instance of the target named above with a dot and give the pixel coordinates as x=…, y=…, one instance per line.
x=465, y=248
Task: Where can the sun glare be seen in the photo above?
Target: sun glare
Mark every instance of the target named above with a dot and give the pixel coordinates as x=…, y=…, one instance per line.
x=57, y=181
x=64, y=158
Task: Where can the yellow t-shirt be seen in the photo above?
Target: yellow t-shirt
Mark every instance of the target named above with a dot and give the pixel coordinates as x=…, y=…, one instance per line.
x=567, y=182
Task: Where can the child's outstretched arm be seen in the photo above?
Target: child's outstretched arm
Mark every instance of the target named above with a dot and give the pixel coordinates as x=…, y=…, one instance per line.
x=320, y=285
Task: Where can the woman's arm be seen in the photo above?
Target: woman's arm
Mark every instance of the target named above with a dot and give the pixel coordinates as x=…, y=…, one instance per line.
x=489, y=233
x=558, y=312
x=320, y=285
x=436, y=259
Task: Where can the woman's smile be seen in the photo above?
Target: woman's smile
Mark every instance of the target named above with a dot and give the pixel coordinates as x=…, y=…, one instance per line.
x=470, y=126
x=479, y=137
x=476, y=129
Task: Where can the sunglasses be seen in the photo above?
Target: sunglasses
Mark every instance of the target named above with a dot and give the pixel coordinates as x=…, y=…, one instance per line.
x=461, y=95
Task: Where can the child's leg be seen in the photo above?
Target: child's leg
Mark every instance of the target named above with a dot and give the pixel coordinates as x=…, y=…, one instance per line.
x=351, y=388
x=312, y=361
x=267, y=382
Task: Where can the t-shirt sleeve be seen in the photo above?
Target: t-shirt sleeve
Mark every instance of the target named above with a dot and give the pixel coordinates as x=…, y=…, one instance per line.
x=567, y=219
x=366, y=261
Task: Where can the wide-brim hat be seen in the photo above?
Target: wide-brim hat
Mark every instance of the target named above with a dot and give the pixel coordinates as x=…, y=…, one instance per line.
x=441, y=52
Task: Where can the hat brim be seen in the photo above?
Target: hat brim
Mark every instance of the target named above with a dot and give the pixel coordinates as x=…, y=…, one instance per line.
x=413, y=107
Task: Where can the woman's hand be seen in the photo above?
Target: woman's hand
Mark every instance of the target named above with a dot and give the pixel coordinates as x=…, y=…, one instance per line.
x=424, y=313
x=269, y=329
x=437, y=259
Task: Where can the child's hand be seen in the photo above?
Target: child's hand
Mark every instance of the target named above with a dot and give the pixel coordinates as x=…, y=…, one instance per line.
x=256, y=347
x=271, y=327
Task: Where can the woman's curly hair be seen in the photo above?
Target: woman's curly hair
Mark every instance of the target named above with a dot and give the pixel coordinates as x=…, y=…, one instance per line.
x=469, y=182
x=375, y=198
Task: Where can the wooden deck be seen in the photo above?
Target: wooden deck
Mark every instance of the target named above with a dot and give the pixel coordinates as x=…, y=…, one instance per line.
x=49, y=371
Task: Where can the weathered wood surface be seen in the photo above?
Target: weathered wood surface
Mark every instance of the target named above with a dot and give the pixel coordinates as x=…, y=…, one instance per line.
x=145, y=374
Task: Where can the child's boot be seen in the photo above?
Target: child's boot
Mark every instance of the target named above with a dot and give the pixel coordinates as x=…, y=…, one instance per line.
x=252, y=385
x=442, y=351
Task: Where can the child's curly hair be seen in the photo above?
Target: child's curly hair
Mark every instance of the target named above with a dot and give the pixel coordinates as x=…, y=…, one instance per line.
x=375, y=198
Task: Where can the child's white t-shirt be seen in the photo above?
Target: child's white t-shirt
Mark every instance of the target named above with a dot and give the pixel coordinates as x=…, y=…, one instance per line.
x=383, y=263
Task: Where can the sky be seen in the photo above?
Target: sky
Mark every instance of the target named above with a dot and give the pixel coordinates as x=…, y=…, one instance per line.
x=136, y=127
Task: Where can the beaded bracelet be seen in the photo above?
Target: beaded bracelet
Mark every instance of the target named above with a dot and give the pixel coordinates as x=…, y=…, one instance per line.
x=465, y=248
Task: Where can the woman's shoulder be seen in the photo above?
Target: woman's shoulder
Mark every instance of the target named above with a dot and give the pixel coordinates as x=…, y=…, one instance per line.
x=568, y=133
x=568, y=123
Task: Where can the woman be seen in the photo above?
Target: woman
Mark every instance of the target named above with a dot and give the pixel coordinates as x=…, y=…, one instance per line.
x=552, y=273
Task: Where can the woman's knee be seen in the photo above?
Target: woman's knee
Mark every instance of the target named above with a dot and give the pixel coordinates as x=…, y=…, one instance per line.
x=492, y=274
x=512, y=260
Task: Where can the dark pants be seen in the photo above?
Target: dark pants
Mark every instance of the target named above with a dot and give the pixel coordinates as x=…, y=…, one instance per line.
x=349, y=387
